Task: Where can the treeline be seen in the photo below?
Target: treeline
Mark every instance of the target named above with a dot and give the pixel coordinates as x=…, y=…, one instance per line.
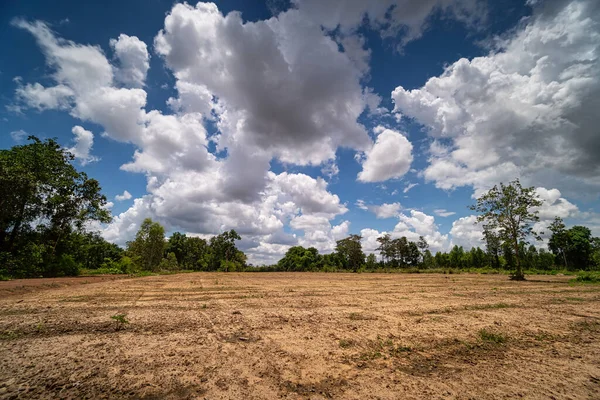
x=47, y=208
x=150, y=251
x=578, y=250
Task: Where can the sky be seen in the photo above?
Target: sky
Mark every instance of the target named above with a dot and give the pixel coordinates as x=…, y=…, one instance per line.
x=301, y=122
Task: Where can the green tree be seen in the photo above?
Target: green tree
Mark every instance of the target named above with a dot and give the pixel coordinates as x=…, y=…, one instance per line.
x=579, y=250
x=298, y=258
x=493, y=247
x=385, y=248
x=177, y=244
x=559, y=241
x=350, y=251
x=510, y=211
x=149, y=245
x=39, y=185
x=371, y=261
x=224, y=252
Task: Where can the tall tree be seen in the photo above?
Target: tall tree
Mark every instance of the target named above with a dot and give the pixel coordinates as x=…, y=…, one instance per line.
x=559, y=241
x=350, y=250
x=510, y=210
x=149, y=245
x=385, y=247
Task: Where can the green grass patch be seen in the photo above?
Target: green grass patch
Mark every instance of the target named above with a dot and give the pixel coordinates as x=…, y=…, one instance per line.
x=587, y=277
x=488, y=336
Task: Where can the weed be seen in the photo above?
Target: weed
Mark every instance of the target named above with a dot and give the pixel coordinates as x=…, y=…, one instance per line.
x=488, y=306
x=120, y=321
x=204, y=306
x=344, y=344
x=492, y=337
x=9, y=335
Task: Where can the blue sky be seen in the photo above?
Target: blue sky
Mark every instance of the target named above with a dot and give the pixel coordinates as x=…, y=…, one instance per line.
x=302, y=122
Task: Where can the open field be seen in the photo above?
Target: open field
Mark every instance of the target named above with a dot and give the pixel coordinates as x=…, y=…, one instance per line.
x=303, y=335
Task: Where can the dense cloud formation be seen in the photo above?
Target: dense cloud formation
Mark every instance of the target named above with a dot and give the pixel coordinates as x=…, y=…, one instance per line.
x=293, y=89
x=528, y=108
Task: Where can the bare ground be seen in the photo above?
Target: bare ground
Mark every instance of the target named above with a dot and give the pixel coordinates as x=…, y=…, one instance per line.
x=303, y=335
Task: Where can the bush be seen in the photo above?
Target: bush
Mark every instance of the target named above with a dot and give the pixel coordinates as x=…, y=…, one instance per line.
x=587, y=277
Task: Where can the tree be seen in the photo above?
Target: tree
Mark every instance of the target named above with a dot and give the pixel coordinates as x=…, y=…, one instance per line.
x=559, y=241
x=493, y=247
x=510, y=211
x=149, y=245
x=224, y=254
x=422, y=245
x=580, y=247
x=350, y=251
x=43, y=200
x=385, y=247
x=177, y=245
x=371, y=261
x=298, y=258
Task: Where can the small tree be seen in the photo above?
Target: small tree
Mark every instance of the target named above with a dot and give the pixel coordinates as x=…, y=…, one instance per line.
x=510, y=211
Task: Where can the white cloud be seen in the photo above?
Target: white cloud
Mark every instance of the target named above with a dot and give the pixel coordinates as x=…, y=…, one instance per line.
x=440, y=212
x=409, y=186
x=133, y=58
x=390, y=157
x=84, y=140
x=122, y=197
x=527, y=109
x=466, y=232
x=282, y=85
x=386, y=210
x=19, y=136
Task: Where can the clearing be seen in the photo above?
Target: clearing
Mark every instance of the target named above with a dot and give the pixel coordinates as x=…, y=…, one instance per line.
x=302, y=335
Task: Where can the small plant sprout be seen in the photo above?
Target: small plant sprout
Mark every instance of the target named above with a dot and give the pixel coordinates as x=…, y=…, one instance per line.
x=120, y=321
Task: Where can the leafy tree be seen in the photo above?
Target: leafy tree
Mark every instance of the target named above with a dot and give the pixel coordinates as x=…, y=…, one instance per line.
x=350, y=251
x=149, y=245
x=510, y=211
x=298, y=258
x=40, y=186
x=580, y=247
x=559, y=241
x=428, y=259
x=224, y=252
x=371, y=261
x=177, y=245
x=169, y=263
x=385, y=247
x=493, y=247
x=197, y=254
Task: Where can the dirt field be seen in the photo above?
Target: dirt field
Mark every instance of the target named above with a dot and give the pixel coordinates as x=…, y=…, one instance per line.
x=303, y=335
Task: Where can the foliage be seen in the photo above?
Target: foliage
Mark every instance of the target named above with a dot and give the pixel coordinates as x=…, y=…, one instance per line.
x=44, y=204
x=120, y=321
x=509, y=211
x=298, y=258
x=148, y=247
x=350, y=252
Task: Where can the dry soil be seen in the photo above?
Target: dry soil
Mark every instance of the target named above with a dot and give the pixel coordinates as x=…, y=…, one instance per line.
x=301, y=335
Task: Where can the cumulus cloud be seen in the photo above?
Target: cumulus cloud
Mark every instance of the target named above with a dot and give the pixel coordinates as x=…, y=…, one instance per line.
x=386, y=210
x=122, y=197
x=526, y=109
x=133, y=59
x=282, y=85
x=19, y=136
x=84, y=140
x=389, y=157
